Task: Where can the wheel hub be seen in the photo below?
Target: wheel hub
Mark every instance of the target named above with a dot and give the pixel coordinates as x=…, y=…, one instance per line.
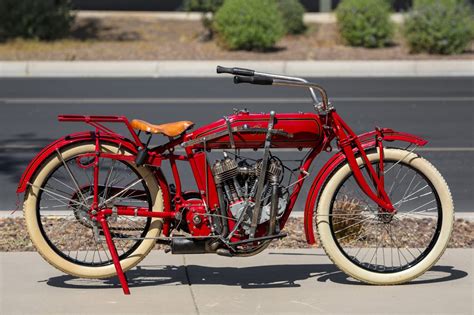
x=386, y=217
x=81, y=212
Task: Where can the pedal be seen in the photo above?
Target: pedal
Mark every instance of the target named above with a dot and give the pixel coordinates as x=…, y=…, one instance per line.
x=224, y=252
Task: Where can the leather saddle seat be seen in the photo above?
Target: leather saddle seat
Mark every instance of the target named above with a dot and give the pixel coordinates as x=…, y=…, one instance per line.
x=170, y=129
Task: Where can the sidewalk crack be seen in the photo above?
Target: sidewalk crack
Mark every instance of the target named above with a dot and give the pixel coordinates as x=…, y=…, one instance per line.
x=188, y=279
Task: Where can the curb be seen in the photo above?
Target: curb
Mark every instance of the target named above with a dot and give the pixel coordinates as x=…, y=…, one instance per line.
x=309, y=17
x=187, y=68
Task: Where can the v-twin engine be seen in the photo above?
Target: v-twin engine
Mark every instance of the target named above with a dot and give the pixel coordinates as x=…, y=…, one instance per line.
x=238, y=183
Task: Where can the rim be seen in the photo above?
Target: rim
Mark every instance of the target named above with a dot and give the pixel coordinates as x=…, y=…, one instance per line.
x=61, y=210
x=384, y=243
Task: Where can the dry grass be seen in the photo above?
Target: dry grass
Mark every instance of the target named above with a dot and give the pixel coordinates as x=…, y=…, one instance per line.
x=150, y=39
x=346, y=217
x=14, y=236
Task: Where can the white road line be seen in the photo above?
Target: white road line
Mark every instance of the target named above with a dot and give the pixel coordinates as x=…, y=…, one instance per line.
x=447, y=149
x=11, y=147
x=225, y=100
x=20, y=146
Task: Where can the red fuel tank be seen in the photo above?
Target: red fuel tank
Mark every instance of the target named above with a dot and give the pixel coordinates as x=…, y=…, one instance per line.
x=303, y=130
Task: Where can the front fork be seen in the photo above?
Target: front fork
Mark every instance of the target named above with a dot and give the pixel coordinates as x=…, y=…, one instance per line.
x=348, y=140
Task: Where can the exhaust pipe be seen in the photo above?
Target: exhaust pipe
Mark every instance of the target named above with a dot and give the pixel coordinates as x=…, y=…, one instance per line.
x=185, y=245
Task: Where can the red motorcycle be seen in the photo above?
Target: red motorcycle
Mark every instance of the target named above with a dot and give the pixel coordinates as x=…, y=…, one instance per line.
x=97, y=202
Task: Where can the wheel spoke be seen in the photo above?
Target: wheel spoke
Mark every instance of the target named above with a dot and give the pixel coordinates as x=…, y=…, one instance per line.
x=69, y=186
x=379, y=241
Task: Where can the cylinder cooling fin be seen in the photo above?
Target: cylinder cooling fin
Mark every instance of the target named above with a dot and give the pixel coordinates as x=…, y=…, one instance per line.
x=225, y=170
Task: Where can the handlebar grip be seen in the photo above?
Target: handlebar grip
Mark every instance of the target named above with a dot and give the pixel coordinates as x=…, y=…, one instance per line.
x=236, y=71
x=260, y=80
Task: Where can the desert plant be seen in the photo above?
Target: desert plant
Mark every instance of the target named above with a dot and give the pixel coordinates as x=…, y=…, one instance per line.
x=365, y=23
x=292, y=12
x=208, y=9
x=45, y=19
x=347, y=219
x=439, y=26
x=249, y=24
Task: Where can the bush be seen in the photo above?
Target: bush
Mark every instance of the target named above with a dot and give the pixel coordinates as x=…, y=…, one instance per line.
x=292, y=12
x=249, y=24
x=439, y=27
x=365, y=23
x=208, y=9
x=45, y=19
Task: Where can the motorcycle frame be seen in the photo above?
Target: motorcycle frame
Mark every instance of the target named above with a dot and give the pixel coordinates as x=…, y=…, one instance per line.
x=351, y=147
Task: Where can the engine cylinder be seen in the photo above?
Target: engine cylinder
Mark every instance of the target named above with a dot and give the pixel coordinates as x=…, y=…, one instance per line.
x=225, y=170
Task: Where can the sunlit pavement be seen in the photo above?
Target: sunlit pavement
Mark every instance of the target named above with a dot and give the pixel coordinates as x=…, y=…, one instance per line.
x=276, y=281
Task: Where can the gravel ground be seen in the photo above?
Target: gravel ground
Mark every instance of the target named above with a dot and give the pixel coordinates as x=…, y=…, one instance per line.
x=150, y=39
x=14, y=236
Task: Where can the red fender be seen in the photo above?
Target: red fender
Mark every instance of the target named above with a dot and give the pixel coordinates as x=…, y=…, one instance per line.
x=368, y=142
x=89, y=136
x=60, y=143
x=82, y=137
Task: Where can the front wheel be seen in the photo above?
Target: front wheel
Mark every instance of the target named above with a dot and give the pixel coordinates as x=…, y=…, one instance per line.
x=380, y=248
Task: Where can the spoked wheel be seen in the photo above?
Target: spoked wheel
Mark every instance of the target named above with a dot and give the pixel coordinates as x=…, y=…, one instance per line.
x=57, y=206
x=380, y=248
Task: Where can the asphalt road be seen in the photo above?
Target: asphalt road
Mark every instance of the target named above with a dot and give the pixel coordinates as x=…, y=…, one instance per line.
x=439, y=109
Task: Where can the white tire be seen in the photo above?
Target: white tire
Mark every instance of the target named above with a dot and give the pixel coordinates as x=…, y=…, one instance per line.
x=52, y=256
x=341, y=259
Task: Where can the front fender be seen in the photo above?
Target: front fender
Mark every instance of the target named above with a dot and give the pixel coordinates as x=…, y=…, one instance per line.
x=63, y=142
x=368, y=142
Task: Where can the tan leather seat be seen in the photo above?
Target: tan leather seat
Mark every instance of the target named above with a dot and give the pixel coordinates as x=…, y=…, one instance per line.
x=170, y=129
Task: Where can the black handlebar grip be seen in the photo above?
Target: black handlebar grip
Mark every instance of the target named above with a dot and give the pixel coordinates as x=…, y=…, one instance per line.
x=243, y=71
x=236, y=71
x=260, y=80
x=221, y=69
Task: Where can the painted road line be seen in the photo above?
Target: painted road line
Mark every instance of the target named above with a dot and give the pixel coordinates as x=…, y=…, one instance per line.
x=225, y=100
x=447, y=149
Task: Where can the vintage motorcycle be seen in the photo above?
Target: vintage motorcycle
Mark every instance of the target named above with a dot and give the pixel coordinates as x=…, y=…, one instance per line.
x=97, y=202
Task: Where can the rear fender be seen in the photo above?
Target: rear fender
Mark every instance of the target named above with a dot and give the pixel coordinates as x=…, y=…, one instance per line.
x=368, y=142
x=61, y=143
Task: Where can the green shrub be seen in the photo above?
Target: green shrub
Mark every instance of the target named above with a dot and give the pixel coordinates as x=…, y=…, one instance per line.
x=292, y=12
x=203, y=5
x=208, y=9
x=365, y=23
x=439, y=26
x=39, y=19
x=249, y=24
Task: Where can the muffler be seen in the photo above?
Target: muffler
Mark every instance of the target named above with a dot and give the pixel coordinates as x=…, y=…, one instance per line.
x=192, y=245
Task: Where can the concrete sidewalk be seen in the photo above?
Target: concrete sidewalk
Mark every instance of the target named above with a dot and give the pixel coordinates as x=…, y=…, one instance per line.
x=276, y=281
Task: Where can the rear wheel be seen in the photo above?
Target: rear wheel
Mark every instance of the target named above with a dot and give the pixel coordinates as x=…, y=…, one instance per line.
x=381, y=248
x=58, y=200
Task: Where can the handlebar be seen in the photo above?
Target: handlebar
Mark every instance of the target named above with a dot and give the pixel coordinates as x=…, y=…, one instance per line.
x=236, y=71
x=242, y=75
x=258, y=79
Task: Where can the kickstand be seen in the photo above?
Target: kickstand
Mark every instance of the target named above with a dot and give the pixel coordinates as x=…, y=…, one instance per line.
x=115, y=257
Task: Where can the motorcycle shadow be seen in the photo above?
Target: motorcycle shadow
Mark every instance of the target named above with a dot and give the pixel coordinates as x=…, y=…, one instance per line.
x=254, y=277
